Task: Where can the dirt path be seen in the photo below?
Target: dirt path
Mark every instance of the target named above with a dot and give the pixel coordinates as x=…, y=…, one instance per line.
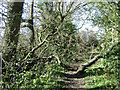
x=74, y=82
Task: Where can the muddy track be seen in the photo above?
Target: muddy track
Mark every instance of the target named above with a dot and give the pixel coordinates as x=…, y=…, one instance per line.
x=74, y=82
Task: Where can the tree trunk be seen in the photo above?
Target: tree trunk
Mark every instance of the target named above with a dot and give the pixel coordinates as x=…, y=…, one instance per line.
x=30, y=26
x=11, y=35
x=119, y=20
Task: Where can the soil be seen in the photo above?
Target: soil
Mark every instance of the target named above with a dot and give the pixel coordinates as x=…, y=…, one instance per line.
x=74, y=82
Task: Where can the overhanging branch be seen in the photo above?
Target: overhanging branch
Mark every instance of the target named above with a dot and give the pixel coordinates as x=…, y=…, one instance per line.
x=97, y=57
x=35, y=48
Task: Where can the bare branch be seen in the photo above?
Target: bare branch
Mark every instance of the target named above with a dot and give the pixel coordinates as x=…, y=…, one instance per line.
x=43, y=50
x=69, y=7
x=77, y=7
x=35, y=48
x=3, y=14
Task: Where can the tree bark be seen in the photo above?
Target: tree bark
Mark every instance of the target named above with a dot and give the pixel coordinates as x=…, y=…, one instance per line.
x=11, y=35
x=30, y=26
x=119, y=20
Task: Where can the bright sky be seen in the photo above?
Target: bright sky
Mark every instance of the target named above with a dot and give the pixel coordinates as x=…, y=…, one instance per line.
x=89, y=27
x=85, y=27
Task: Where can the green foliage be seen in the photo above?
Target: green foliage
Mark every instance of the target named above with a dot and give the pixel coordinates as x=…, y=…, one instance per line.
x=98, y=78
x=109, y=76
x=40, y=71
x=36, y=78
x=107, y=19
x=101, y=82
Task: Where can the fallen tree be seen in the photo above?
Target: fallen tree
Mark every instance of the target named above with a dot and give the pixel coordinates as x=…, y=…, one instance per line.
x=78, y=70
x=82, y=68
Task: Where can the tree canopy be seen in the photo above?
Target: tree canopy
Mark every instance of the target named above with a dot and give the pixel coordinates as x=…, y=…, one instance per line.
x=43, y=40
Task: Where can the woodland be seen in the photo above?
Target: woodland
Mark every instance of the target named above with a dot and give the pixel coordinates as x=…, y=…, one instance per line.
x=43, y=45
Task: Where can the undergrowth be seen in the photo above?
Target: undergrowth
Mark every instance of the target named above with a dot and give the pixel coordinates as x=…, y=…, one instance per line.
x=35, y=78
x=99, y=78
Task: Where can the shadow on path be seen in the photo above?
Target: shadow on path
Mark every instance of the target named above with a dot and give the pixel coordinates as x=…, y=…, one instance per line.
x=73, y=80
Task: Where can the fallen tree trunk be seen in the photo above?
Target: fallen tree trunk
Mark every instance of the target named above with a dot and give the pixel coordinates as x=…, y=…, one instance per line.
x=97, y=57
x=88, y=64
x=82, y=68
